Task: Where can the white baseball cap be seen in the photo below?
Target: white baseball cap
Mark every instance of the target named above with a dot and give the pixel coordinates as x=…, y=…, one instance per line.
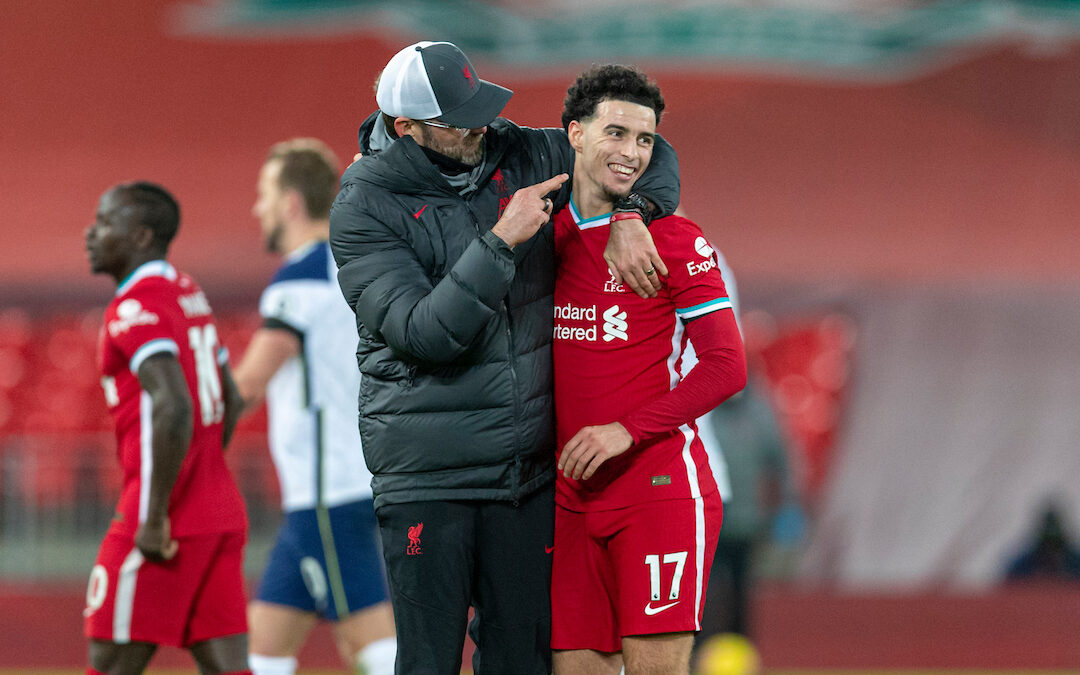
x=436, y=81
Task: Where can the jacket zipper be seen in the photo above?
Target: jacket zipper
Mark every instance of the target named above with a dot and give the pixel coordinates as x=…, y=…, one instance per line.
x=512, y=362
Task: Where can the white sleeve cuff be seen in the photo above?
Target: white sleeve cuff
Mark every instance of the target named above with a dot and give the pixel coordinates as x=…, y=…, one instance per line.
x=149, y=349
x=703, y=309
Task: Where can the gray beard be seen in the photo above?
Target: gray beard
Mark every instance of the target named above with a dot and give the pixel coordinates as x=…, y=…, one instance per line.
x=467, y=156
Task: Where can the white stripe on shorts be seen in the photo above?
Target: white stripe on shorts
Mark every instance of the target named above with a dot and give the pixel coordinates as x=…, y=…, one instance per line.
x=699, y=521
x=124, y=602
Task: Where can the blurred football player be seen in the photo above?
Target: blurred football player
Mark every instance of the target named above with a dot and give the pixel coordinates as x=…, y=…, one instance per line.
x=169, y=569
x=326, y=562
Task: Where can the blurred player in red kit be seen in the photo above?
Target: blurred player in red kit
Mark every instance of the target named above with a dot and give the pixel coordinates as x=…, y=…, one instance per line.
x=637, y=509
x=169, y=569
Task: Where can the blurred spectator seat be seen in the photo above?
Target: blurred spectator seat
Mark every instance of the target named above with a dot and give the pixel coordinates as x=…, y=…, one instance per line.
x=55, y=429
x=64, y=393
x=15, y=332
x=806, y=363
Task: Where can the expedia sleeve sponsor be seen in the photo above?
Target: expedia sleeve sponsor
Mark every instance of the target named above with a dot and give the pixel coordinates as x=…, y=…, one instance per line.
x=694, y=269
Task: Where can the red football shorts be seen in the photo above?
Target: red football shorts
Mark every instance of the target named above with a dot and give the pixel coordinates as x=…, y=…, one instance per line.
x=641, y=570
x=196, y=596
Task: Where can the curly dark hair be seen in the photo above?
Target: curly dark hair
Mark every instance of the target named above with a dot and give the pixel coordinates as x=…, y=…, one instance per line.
x=610, y=82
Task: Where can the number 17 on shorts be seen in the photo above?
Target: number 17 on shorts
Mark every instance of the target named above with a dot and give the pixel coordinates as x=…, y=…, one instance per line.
x=640, y=570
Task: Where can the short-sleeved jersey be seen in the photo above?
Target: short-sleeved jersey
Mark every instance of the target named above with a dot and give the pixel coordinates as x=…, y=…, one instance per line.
x=312, y=399
x=615, y=352
x=157, y=309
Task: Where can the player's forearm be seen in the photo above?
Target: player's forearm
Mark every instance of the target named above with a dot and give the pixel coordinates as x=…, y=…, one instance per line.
x=248, y=392
x=435, y=325
x=249, y=382
x=270, y=348
x=719, y=374
x=234, y=406
x=172, y=426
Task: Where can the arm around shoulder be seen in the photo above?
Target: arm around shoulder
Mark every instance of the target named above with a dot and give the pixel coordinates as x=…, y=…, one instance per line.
x=660, y=184
x=630, y=253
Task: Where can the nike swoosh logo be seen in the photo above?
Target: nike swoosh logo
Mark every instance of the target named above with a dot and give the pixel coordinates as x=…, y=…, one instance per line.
x=417, y=214
x=549, y=549
x=650, y=610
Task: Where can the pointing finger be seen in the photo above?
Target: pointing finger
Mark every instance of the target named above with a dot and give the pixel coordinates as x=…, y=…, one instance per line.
x=553, y=183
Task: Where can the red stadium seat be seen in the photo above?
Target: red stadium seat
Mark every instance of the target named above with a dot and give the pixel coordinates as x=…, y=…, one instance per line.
x=54, y=424
x=806, y=365
x=15, y=327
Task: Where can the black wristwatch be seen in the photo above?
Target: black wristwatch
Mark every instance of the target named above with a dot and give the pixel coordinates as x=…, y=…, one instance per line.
x=636, y=203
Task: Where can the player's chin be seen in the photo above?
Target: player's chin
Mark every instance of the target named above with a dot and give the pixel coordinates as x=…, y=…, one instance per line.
x=614, y=193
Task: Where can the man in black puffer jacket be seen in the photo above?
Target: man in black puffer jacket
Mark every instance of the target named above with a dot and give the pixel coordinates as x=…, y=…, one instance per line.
x=445, y=254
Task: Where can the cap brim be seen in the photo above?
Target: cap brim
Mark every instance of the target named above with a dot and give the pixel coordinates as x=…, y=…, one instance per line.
x=480, y=110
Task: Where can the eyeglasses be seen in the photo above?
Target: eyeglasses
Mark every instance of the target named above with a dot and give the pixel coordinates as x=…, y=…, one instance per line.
x=464, y=131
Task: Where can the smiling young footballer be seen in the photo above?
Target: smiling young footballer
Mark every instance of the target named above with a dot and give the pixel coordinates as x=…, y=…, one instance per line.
x=637, y=509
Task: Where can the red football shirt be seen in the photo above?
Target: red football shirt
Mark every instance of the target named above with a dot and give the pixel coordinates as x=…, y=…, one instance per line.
x=155, y=310
x=615, y=352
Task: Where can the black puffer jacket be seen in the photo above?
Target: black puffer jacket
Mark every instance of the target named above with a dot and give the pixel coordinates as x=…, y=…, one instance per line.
x=455, y=328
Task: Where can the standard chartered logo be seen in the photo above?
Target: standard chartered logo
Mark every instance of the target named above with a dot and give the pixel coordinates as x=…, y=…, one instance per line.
x=585, y=330
x=614, y=324
x=569, y=314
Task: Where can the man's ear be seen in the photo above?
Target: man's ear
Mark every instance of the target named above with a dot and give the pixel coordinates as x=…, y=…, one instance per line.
x=294, y=203
x=144, y=237
x=575, y=132
x=405, y=126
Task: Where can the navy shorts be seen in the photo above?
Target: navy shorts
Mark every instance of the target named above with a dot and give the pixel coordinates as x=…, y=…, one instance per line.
x=326, y=561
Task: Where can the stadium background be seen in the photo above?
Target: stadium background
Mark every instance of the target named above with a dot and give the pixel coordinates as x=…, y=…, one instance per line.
x=895, y=183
